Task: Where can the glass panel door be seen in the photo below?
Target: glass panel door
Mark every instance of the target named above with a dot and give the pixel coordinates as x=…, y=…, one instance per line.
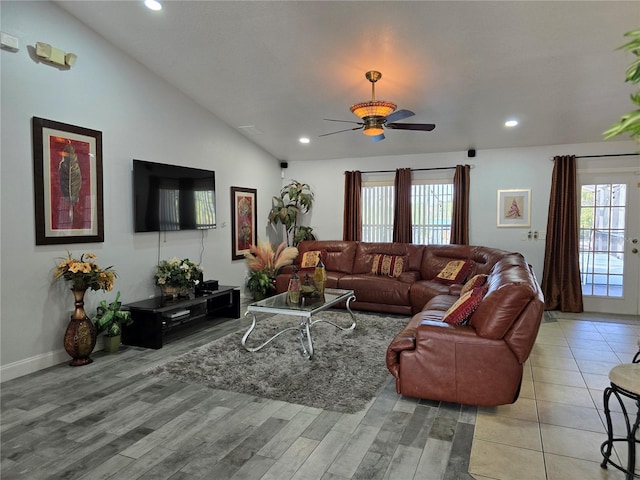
x=608, y=264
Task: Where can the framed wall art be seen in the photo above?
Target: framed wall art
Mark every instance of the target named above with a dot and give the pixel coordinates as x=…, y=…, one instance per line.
x=514, y=208
x=67, y=176
x=244, y=221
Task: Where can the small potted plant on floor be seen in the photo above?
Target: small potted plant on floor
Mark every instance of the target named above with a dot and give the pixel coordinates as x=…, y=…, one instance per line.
x=110, y=319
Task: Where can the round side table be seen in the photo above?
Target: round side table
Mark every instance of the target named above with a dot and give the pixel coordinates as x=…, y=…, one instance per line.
x=625, y=382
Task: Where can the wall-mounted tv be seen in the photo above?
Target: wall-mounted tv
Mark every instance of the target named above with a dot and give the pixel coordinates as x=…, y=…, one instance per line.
x=172, y=197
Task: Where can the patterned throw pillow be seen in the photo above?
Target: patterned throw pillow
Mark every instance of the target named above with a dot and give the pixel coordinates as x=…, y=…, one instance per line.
x=454, y=272
x=389, y=265
x=460, y=312
x=310, y=259
x=474, y=282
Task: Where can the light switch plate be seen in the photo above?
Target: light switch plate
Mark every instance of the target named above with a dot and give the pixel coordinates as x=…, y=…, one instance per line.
x=9, y=41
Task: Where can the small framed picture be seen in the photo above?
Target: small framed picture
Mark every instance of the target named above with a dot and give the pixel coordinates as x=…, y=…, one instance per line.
x=514, y=208
x=67, y=176
x=244, y=221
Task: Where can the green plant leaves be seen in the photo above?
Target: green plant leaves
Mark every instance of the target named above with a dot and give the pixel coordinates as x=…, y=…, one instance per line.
x=630, y=122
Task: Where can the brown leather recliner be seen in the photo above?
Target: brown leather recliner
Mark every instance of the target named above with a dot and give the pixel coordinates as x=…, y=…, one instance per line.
x=480, y=363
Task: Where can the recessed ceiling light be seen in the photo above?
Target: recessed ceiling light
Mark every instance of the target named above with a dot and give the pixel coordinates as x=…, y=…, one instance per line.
x=511, y=123
x=304, y=140
x=153, y=5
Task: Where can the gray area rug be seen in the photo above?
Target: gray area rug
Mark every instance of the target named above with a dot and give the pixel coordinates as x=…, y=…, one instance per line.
x=347, y=370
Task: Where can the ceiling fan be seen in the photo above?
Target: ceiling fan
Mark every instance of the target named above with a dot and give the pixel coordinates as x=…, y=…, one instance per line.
x=379, y=114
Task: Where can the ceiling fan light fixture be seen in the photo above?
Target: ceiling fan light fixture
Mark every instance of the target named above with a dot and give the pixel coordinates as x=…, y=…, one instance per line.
x=372, y=130
x=373, y=108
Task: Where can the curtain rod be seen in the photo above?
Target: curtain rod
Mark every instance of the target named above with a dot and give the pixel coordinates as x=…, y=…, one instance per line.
x=413, y=170
x=613, y=155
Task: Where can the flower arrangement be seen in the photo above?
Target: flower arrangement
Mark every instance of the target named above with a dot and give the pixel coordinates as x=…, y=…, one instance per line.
x=177, y=273
x=84, y=273
x=262, y=258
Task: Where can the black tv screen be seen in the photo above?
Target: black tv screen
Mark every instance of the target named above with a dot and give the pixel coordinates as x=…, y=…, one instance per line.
x=172, y=197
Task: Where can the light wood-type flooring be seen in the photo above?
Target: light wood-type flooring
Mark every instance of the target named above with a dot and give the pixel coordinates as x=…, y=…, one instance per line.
x=109, y=420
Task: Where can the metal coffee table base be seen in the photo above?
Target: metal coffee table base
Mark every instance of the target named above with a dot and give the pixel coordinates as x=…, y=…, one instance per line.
x=303, y=328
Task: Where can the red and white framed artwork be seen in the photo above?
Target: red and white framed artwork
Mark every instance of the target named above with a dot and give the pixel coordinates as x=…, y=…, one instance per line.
x=67, y=175
x=244, y=221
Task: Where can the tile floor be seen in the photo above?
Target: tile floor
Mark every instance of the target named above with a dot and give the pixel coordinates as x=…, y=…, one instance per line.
x=555, y=429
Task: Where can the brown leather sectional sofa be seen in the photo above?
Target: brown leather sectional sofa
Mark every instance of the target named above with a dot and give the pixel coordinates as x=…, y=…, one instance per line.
x=478, y=363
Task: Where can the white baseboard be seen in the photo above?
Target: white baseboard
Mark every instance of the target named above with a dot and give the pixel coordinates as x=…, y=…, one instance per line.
x=32, y=364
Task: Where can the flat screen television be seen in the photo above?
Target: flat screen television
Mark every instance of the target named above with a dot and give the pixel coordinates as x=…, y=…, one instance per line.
x=172, y=197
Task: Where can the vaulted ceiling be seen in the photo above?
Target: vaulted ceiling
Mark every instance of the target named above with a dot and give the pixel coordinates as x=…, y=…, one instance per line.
x=280, y=68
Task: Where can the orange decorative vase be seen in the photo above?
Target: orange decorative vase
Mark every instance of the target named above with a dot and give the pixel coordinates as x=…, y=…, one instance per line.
x=80, y=336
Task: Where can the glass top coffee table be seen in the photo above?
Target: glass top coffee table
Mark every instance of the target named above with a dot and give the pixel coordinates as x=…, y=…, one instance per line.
x=305, y=310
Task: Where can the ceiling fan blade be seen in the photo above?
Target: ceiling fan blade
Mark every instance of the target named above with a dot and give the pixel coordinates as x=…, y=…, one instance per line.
x=399, y=115
x=378, y=138
x=425, y=127
x=343, y=121
x=340, y=131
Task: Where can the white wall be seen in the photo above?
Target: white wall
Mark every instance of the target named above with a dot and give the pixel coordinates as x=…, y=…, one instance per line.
x=493, y=170
x=140, y=116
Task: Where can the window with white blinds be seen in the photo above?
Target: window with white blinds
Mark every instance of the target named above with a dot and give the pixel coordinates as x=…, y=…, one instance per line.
x=431, y=208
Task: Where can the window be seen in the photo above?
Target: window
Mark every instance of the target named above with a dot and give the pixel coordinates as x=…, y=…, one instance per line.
x=431, y=206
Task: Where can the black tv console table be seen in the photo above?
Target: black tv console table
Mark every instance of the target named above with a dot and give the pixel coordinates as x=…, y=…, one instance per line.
x=156, y=317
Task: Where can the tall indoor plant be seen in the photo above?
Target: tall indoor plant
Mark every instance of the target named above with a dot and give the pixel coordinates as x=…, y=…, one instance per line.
x=295, y=199
x=630, y=122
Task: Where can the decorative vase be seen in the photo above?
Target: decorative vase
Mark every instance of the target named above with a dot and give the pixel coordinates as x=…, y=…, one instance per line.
x=111, y=344
x=170, y=292
x=80, y=336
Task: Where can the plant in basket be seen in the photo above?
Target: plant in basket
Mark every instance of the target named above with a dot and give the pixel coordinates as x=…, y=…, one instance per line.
x=177, y=276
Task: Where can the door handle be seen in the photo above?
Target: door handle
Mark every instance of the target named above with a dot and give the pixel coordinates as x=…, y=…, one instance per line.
x=634, y=250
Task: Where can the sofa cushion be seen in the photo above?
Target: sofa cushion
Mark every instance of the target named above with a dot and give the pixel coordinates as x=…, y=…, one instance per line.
x=340, y=254
x=454, y=272
x=474, y=282
x=310, y=259
x=388, y=265
x=464, y=307
x=366, y=252
x=371, y=288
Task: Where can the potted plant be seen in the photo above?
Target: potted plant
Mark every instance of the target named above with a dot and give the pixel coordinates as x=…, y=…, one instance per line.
x=110, y=319
x=260, y=284
x=177, y=277
x=630, y=122
x=264, y=263
x=295, y=199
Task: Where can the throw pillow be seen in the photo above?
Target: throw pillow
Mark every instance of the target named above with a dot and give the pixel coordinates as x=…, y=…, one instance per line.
x=310, y=259
x=389, y=265
x=474, y=282
x=454, y=272
x=460, y=312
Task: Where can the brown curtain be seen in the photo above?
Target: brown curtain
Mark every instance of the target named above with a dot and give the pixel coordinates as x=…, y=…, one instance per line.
x=561, y=277
x=460, y=220
x=402, y=207
x=352, y=220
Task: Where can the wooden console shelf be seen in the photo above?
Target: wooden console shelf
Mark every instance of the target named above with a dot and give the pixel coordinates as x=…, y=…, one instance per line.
x=156, y=317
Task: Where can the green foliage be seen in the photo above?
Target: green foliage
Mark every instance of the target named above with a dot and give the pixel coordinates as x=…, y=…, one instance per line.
x=303, y=233
x=110, y=318
x=630, y=122
x=295, y=199
x=259, y=283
